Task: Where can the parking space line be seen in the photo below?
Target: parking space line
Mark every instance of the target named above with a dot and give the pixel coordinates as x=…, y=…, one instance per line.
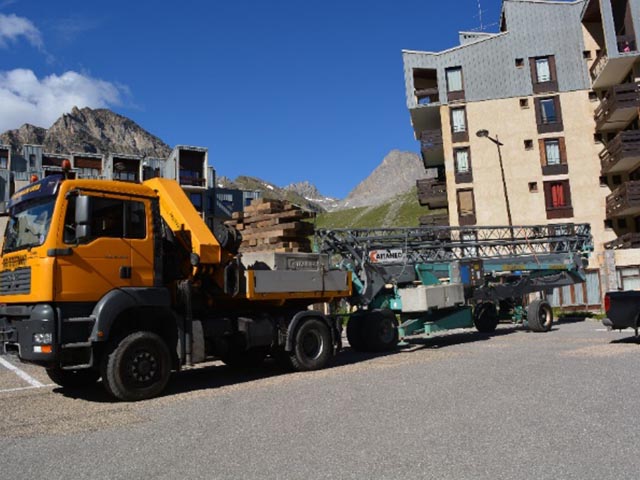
x=7, y=390
x=22, y=374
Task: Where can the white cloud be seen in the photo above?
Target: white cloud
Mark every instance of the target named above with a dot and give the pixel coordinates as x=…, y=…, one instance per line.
x=24, y=98
x=13, y=27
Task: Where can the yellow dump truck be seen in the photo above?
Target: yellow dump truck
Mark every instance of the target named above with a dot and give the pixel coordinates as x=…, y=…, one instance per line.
x=125, y=282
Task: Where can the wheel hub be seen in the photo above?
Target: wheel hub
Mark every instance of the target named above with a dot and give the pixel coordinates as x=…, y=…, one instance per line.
x=143, y=367
x=312, y=345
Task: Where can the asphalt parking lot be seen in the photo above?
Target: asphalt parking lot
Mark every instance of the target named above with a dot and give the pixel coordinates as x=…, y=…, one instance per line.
x=514, y=404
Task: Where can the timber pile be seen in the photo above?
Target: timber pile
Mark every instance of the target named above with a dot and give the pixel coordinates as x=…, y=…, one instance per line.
x=273, y=226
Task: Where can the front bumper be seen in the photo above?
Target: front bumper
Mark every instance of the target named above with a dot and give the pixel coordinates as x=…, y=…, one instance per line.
x=18, y=326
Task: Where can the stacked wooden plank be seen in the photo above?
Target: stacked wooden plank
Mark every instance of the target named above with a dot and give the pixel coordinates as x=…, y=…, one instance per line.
x=273, y=226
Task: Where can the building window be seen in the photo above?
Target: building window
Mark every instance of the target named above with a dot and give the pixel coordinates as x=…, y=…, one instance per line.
x=466, y=207
x=533, y=187
x=586, y=54
x=462, y=165
x=524, y=103
x=528, y=144
x=519, y=62
x=459, y=132
x=553, y=156
x=543, y=74
x=622, y=223
x=608, y=224
x=455, y=84
x=548, y=114
x=196, y=199
x=558, y=199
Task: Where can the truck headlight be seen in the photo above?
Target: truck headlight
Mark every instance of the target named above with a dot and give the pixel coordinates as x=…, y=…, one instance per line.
x=42, y=338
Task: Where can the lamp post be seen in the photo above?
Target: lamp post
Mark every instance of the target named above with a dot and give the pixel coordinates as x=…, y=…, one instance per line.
x=485, y=134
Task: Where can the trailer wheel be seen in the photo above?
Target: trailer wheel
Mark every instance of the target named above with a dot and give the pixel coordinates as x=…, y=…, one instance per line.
x=485, y=317
x=138, y=367
x=355, y=327
x=381, y=331
x=312, y=347
x=539, y=316
x=73, y=378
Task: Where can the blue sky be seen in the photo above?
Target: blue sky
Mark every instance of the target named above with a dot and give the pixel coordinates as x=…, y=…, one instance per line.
x=283, y=90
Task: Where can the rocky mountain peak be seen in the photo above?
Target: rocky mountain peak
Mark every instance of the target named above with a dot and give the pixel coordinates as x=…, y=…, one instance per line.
x=89, y=130
x=396, y=174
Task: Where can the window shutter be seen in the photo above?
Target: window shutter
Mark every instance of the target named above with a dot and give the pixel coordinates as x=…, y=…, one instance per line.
x=552, y=68
x=556, y=101
x=532, y=67
x=567, y=192
x=543, y=152
x=563, y=151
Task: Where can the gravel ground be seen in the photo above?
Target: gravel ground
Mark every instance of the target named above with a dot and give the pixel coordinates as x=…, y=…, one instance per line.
x=463, y=405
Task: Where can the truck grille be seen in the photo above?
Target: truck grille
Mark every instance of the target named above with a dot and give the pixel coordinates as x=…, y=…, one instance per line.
x=16, y=281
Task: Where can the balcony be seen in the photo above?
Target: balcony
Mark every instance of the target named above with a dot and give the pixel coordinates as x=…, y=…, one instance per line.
x=626, y=241
x=622, y=154
x=437, y=220
x=607, y=71
x=432, y=193
x=618, y=107
x=624, y=200
x=431, y=148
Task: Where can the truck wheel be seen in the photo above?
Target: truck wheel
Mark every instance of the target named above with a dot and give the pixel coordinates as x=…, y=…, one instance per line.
x=312, y=346
x=485, y=317
x=380, y=331
x=539, y=316
x=252, y=357
x=73, y=378
x=355, y=328
x=138, y=367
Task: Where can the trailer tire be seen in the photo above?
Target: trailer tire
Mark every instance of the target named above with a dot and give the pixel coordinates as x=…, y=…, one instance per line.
x=355, y=327
x=539, y=316
x=380, y=331
x=138, y=367
x=312, y=346
x=485, y=317
x=73, y=378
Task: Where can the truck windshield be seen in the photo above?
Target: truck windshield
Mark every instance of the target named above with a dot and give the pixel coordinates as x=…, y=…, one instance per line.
x=28, y=224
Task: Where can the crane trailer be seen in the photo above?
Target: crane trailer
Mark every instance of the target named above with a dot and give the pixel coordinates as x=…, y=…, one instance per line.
x=422, y=280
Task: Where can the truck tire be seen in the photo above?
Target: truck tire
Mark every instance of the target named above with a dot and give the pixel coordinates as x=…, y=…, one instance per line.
x=312, y=346
x=485, y=317
x=73, y=378
x=380, y=331
x=137, y=367
x=539, y=316
x=355, y=327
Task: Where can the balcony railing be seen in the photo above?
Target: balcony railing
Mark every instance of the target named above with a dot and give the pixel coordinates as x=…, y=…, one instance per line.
x=626, y=241
x=193, y=181
x=624, y=200
x=622, y=153
x=427, y=96
x=598, y=65
x=432, y=193
x=620, y=102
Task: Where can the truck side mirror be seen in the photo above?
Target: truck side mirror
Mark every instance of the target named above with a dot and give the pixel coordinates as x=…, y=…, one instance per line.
x=83, y=217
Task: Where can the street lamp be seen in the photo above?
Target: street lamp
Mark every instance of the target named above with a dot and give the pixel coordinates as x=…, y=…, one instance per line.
x=485, y=134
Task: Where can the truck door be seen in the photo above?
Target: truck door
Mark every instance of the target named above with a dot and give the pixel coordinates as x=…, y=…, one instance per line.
x=101, y=262
x=139, y=231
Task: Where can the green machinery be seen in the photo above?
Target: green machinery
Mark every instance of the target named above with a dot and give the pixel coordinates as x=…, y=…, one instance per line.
x=410, y=281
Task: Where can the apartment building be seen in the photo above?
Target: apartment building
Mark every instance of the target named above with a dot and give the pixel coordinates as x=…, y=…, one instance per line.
x=188, y=165
x=510, y=122
x=613, y=26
